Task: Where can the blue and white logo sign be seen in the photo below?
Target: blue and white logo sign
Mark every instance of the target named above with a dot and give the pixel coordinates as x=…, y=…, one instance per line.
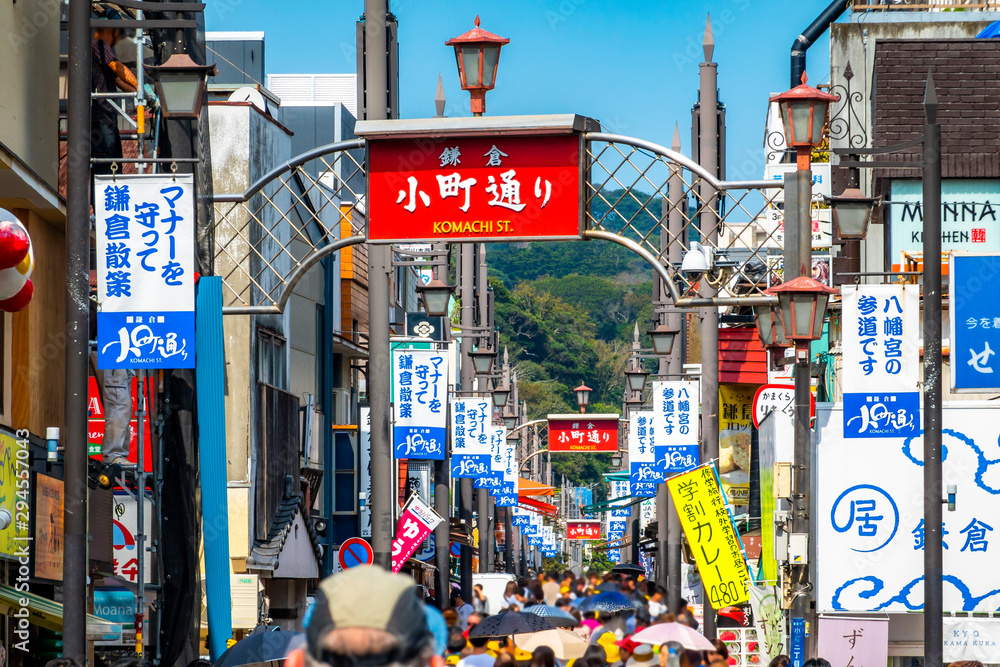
x=975, y=323
x=470, y=441
x=675, y=405
x=421, y=391
x=506, y=494
x=145, y=271
x=643, y=474
x=881, y=357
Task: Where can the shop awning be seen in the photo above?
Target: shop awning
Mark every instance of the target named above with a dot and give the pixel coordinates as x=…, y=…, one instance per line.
x=537, y=505
x=742, y=357
x=526, y=487
x=48, y=614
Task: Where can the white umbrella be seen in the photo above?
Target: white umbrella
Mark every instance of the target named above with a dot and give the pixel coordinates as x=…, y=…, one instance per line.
x=661, y=633
x=565, y=644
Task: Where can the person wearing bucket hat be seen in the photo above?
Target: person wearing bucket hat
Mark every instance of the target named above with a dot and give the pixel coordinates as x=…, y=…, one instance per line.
x=642, y=656
x=367, y=617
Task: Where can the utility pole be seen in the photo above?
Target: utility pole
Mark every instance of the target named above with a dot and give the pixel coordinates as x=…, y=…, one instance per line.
x=467, y=264
x=708, y=226
x=383, y=499
x=933, y=574
x=77, y=334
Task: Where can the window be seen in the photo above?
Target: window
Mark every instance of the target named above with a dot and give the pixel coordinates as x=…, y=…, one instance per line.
x=271, y=367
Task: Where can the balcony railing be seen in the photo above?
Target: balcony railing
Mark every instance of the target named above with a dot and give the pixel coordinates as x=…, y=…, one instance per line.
x=925, y=5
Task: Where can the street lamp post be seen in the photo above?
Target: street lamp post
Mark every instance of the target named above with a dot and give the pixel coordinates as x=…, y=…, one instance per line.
x=583, y=397
x=802, y=302
x=477, y=54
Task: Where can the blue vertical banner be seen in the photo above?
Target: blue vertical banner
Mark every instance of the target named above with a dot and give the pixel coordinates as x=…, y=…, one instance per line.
x=470, y=440
x=506, y=494
x=145, y=228
x=975, y=323
x=675, y=407
x=493, y=479
x=881, y=339
x=420, y=398
x=797, y=650
x=643, y=473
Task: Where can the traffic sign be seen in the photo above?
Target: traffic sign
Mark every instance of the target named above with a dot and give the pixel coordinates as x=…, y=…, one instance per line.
x=355, y=551
x=456, y=550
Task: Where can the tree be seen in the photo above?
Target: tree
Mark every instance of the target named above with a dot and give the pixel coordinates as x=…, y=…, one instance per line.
x=600, y=561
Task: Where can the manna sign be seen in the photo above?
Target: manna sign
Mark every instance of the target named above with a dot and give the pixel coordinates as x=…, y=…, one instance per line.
x=414, y=525
x=583, y=433
x=709, y=530
x=496, y=188
x=583, y=530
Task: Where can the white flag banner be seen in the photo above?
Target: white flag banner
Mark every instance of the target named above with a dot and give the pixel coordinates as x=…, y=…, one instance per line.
x=470, y=437
x=643, y=474
x=675, y=406
x=420, y=393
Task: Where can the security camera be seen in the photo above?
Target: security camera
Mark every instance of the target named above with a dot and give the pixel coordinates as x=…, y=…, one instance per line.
x=697, y=261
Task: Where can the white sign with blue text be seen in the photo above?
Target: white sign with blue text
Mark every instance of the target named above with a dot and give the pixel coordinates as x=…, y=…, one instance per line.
x=869, y=513
x=470, y=437
x=881, y=325
x=643, y=473
x=145, y=271
x=675, y=405
x=975, y=323
x=506, y=494
x=420, y=388
x=493, y=479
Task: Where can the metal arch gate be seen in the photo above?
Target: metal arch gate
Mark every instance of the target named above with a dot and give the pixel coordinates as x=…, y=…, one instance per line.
x=640, y=195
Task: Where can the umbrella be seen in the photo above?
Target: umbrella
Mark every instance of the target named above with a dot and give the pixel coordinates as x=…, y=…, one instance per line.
x=629, y=569
x=565, y=644
x=608, y=586
x=555, y=615
x=511, y=623
x=261, y=647
x=611, y=601
x=992, y=30
x=662, y=633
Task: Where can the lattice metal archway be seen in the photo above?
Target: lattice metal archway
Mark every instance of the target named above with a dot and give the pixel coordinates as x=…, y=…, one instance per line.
x=647, y=198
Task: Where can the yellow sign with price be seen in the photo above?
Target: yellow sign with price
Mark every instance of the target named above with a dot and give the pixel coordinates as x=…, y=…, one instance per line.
x=711, y=535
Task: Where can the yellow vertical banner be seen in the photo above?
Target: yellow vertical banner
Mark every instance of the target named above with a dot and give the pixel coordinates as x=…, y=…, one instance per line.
x=711, y=536
x=735, y=422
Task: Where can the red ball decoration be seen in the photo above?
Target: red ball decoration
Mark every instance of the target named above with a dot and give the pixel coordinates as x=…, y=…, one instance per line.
x=14, y=243
x=19, y=300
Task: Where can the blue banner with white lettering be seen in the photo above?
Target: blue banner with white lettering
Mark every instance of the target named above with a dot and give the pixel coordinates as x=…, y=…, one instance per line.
x=975, y=322
x=420, y=393
x=145, y=271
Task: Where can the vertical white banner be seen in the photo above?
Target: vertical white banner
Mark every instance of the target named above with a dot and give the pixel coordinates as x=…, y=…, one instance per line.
x=365, y=445
x=643, y=474
x=420, y=395
x=470, y=442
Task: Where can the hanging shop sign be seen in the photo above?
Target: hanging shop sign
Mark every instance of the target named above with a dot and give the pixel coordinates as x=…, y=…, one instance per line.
x=709, y=530
x=869, y=514
x=583, y=433
x=420, y=394
x=506, y=494
x=15, y=497
x=583, y=530
x=643, y=473
x=969, y=211
x=881, y=360
x=496, y=188
x=414, y=525
x=777, y=397
x=145, y=271
x=365, y=483
x=975, y=323
x=470, y=437
x=854, y=641
x=735, y=439
x=493, y=479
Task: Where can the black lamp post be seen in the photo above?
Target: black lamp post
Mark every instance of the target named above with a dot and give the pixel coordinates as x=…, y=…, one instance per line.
x=435, y=297
x=663, y=338
x=180, y=85
x=482, y=360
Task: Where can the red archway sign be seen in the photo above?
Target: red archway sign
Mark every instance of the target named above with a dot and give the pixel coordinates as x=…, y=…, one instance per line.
x=355, y=551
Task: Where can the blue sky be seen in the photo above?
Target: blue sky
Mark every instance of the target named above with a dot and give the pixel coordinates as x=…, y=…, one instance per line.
x=631, y=65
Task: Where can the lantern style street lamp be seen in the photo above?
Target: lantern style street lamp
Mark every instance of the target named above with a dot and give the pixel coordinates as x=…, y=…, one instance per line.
x=583, y=396
x=769, y=327
x=482, y=360
x=803, y=114
x=501, y=392
x=852, y=210
x=477, y=53
x=663, y=340
x=616, y=460
x=802, y=304
x=435, y=297
x=636, y=376
x=509, y=418
x=180, y=85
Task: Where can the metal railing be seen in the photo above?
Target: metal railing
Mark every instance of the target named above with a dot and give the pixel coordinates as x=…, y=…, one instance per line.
x=925, y=5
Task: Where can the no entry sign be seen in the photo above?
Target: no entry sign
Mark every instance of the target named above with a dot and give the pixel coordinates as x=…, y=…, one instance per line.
x=355, y=551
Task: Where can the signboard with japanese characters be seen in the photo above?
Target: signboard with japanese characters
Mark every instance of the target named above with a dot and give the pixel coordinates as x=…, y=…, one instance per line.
x=420, y=394
x=505, y=495
x=735, y=441
x=869, y=511
x=145, y=271
x=494, y=477
x=969, y=209
x=975, y=323
x=777, y=397
x=583, y=433
x=470, y=440
x=854, y=641
x=676, y=407
x=581, y=529
x=881, y=360
x=414, y=525
x=520, y=518
x=643, y=474
x=365, y=483
x=714, y=541
x=496, y=188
